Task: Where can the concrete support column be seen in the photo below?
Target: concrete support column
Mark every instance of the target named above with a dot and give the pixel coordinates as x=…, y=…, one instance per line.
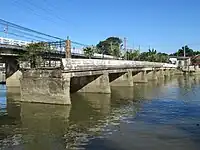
x=100, y=84
x=124, y=80
x=43, y=86
x=13, y=75
x=167, y=73
x=141, y=77
x=172, y=72
x=160, y=74
x=152, y=75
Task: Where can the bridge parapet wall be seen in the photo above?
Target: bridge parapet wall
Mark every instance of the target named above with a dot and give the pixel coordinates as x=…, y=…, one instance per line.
x=99, y=64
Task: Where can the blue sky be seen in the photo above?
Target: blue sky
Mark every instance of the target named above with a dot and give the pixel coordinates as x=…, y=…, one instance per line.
x=163, y=24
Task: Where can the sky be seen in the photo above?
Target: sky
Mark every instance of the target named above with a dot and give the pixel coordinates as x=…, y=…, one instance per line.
x=165, y=25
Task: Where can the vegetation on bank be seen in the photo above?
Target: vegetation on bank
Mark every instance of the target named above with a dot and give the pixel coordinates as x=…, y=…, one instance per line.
x=38, y=53
x=113, y=46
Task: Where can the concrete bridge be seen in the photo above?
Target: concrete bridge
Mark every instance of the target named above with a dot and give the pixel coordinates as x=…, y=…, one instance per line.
x=10, y=52
x=87, y=75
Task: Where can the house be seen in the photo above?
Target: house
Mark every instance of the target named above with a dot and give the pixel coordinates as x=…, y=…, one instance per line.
x=183, y=61
x=173, y=60
x=180, y=61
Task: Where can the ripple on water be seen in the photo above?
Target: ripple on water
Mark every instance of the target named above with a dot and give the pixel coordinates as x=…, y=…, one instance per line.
x=159, y=118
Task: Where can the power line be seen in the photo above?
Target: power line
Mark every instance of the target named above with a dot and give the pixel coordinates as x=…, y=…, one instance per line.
x=3, y=22
x=17, y=35
x=80, y=44
x=49, y=11
x=32, y=35
x=33, y=12
x=15, y=26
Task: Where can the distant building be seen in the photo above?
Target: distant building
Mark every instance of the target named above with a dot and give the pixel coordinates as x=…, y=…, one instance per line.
x=173, y=60
x=180, y=61
x=184, y=61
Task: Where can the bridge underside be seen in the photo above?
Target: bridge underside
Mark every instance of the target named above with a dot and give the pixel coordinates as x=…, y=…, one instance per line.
x=55, y=86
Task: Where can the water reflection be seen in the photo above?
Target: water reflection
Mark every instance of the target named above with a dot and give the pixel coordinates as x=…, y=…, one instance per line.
x=157, y=114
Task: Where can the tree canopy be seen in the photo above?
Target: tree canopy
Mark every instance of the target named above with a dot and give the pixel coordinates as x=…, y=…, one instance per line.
x=151, y=55
x=89, y=51
x=33, y=53
x=110, y=46
x=188, y=52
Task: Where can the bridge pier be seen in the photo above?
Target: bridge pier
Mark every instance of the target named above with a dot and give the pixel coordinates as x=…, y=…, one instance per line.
x=13, y=75
x=45, y=86
x=140, y=77
x=167, y=73
x=172, y=72
x=91, y=84
x=121, y=79
x=152, y=75
x=160, y=74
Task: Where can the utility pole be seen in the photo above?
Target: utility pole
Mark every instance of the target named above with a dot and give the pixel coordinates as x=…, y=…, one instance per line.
x=125, y=49
x=184, y=51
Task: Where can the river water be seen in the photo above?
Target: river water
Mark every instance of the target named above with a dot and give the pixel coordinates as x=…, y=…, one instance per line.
x=160, y=115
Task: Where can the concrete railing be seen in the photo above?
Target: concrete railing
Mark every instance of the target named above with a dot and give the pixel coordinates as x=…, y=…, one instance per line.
x=99, y=64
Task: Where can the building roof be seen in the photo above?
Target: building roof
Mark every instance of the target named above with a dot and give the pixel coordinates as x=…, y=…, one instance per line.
x=183, y=58
x=179, y=57
x=197, y=57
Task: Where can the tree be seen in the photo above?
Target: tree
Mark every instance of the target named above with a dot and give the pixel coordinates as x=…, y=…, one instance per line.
x=132, y=55
x=88, y=51
x=162, y=57
x=33, y=54
x=110, y=46
x=188, y=52
x=153, y=56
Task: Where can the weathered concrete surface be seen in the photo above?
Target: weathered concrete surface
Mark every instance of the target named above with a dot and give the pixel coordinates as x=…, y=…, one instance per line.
x=45, y=86
x=152, y=75
x=72, y=65
x=123, y=79
x=167, y=73
x=140, y=77
x=160, y=74
x=100, y=85
x=84, y=75
x=13, y=80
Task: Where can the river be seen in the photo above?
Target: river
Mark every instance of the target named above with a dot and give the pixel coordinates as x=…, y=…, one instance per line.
x=158, y=115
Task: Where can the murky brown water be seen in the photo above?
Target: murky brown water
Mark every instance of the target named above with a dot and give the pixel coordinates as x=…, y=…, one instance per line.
x=158, y=115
